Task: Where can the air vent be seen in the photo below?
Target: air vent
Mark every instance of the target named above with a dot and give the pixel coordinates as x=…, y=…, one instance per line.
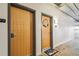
x=58, y=4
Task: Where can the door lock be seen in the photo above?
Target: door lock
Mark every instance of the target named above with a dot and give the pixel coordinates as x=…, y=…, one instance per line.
x=12, y=35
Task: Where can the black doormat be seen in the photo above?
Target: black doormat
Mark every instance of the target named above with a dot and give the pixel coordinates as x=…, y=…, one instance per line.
x=51, y=52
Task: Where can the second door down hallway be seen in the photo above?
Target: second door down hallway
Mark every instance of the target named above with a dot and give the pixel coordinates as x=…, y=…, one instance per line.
x=39, y=29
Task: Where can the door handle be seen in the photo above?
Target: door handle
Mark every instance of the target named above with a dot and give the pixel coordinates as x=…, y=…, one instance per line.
x=12, y=35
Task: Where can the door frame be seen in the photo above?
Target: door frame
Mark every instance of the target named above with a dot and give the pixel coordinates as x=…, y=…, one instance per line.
x=9, y=26
x=51, y=30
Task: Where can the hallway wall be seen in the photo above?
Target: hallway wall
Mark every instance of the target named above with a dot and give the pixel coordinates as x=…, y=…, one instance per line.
x=3, y=30
x=61, y=33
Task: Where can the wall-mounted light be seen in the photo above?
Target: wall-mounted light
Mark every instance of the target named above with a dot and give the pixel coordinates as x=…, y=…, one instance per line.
x=55, y=22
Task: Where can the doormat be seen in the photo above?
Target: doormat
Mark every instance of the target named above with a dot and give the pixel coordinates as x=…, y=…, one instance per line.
x=50, y=52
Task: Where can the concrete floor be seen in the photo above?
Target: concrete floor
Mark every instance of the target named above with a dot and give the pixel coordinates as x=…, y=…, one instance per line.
x=70, y=48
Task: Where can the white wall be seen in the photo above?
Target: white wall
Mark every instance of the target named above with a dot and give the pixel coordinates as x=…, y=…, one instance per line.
x=60, y=34
x=3, y=30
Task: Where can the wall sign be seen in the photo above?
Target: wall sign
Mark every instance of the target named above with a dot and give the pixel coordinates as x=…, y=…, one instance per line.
x=2, y=20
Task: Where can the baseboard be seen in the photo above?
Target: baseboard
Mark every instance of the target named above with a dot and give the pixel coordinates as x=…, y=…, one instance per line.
x=61, y=43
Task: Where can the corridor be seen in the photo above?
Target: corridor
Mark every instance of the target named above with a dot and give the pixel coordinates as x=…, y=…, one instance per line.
x=30, y=29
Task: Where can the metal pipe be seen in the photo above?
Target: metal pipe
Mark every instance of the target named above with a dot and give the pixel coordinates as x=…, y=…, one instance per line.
x=76, y=6
x=66, y=14
x=70, y=9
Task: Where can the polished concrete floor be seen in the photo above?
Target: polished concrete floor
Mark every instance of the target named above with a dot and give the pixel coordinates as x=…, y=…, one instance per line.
x=70, y=48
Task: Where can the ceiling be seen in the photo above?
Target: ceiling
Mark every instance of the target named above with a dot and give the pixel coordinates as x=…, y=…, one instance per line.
x=71, y=9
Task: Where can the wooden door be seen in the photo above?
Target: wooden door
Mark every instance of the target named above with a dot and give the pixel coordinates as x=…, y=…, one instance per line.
x=21, y=32
x=46, y=35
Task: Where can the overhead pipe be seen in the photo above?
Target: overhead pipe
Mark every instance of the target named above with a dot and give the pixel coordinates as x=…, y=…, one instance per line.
x=66, y=13
x=70, y=9
x=76, y=6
